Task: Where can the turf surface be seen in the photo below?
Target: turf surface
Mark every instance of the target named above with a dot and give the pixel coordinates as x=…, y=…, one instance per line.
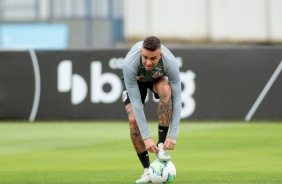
x=101, y=152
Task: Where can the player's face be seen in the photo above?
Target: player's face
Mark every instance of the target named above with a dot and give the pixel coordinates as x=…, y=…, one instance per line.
x=150, y=59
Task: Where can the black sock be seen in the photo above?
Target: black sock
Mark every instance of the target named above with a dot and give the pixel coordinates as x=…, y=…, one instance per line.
x=162, y=133
x=144, y=159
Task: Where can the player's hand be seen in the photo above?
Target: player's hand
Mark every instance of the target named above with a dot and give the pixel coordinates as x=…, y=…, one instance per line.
x=151, y=145
x=169, y=143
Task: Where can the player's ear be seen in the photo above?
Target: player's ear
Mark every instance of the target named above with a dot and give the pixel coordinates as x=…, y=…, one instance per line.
x=161, y=54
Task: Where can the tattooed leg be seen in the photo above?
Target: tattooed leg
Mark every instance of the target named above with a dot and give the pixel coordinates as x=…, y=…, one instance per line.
x=163, y=89
x=164, y=110
x=135, y=135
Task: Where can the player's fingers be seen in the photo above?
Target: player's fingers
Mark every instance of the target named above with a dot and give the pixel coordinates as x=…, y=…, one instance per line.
x=150, y=149
x=153, y=149
x=171, y=146
x=166, y=145
x=156, y=148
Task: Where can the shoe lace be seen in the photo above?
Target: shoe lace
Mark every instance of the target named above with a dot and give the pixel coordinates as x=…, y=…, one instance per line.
x=164, y=152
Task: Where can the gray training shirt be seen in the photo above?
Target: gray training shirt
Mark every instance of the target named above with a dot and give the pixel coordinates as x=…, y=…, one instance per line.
x=131, y=66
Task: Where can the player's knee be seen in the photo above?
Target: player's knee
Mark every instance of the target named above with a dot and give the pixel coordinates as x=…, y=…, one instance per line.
x=165, y=89
x=132, y=123
x=131, y=119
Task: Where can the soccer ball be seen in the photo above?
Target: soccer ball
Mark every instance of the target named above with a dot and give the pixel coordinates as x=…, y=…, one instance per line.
x=162, y=171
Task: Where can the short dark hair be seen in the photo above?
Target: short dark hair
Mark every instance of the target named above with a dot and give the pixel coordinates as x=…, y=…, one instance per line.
x=152, y=43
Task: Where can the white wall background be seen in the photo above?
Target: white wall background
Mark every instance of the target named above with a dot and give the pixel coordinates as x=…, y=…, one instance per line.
x=214, y=20
x=188, y=20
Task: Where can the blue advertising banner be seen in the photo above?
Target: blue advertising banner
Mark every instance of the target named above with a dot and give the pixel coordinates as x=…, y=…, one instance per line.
x=36, y=36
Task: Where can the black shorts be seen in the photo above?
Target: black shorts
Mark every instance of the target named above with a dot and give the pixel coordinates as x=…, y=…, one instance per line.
x=143, y=88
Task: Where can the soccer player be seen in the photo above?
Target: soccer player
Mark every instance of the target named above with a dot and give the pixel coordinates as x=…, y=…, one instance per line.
x=151, y=65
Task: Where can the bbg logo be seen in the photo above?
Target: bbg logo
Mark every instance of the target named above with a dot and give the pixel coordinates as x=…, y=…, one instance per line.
x=77, y=86
x=74, y=83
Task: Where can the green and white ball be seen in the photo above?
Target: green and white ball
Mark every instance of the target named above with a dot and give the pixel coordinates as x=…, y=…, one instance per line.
x=162, y=171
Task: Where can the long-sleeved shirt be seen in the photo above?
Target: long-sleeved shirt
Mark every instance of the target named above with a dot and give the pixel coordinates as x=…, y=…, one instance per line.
x=131, y=69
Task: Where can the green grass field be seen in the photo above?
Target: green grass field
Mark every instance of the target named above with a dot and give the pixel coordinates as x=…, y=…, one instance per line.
x=96, y=152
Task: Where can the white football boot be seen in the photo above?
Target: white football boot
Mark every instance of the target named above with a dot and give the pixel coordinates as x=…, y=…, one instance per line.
x=145, y=177
x=162, y=154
